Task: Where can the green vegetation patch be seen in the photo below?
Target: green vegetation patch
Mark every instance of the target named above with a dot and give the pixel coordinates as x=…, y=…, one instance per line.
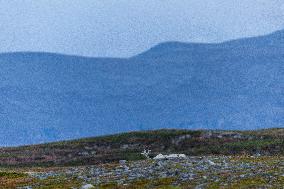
x=12, y=175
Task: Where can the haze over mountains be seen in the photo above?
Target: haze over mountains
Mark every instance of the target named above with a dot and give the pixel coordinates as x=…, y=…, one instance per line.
x=233, y=85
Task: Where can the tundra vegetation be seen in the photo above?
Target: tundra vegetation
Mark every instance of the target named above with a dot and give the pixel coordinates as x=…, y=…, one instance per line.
x=214, y=159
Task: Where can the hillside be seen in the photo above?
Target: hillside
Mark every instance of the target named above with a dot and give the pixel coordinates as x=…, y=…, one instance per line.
x=232, y=85
x=129, y=146
x=226, y=172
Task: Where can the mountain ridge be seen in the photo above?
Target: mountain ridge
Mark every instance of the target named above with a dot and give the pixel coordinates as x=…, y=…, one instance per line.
x=49, y=97
x=278, y=33
x=270, y=40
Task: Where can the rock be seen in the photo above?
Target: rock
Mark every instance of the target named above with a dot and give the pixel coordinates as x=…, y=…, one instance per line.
x=201, y=186
x=124, y=146
x=87, y=186
x=203, y=169
x=159, y=156
x=171, y=156
x=211, y=162
x=122, y=162
x=25, y=187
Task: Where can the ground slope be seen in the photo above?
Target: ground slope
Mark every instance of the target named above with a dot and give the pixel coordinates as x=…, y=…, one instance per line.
x=128, y=146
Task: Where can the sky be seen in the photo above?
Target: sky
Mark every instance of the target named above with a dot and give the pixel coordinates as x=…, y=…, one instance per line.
x=123, y=28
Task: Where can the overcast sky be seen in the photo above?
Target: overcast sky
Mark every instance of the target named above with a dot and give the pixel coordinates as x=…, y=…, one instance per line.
x=123, y=28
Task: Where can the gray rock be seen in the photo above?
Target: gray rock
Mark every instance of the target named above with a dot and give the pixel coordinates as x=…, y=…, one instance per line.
x=87, y=186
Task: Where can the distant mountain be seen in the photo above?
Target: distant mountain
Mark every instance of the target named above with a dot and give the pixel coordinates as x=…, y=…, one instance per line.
x=233, y=85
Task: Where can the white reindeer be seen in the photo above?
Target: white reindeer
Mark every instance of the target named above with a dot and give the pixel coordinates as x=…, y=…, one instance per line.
x=146, y=153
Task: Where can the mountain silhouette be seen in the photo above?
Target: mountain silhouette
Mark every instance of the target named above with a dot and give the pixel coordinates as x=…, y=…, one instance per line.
x=237, y=84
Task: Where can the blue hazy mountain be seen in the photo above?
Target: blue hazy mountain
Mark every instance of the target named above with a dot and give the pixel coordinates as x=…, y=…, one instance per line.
x=232, y=85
